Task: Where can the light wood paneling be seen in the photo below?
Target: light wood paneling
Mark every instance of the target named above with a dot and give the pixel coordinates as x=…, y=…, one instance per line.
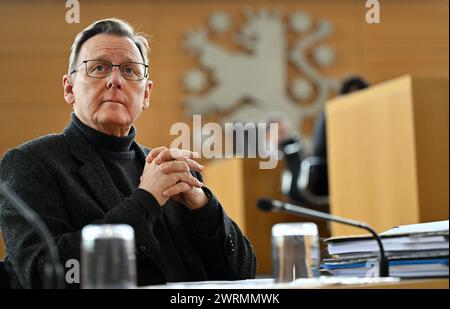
x=431, y=104
x=230, y=189
x=412, y=38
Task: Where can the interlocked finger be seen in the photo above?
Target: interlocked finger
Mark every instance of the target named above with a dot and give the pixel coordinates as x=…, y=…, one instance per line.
x=174, y=167
x=176, y=189
x=187, y=178
x=174, y=154
x=154, y=153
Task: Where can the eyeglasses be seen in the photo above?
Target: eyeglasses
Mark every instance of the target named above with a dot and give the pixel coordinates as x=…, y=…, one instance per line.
x=102, y=68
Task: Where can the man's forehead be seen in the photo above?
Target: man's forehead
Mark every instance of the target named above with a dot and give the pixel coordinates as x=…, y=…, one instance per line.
x=109, y=46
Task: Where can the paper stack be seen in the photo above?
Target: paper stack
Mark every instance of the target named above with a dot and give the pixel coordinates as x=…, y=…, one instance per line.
x=414, y=251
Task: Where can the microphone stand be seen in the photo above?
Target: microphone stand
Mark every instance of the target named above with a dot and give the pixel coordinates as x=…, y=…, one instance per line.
x=296, y=210
x=53, y=272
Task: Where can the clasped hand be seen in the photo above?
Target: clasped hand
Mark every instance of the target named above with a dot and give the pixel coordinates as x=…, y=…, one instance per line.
x=167, y=175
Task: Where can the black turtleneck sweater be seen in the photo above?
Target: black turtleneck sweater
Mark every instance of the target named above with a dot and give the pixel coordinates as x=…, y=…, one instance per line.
x=125, y=169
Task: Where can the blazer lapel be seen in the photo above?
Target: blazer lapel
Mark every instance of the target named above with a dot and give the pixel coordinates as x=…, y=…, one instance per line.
x=92, y=169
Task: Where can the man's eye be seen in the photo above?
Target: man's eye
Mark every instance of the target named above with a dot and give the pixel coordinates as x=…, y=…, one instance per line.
x=128, y=70
x=99, y=68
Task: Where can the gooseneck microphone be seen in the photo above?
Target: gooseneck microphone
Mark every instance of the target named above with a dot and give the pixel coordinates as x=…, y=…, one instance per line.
x=53, y=271
x=266, y=204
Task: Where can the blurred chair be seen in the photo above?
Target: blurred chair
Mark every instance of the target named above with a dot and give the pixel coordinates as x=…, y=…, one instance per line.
x=313, y=180
x=305, y=178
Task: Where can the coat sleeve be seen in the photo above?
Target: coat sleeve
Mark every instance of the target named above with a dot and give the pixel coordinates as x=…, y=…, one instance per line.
x=32, y=182
x=226, y=254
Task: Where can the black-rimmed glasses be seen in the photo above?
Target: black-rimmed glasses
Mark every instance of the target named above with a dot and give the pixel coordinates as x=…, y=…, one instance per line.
x=102, y=68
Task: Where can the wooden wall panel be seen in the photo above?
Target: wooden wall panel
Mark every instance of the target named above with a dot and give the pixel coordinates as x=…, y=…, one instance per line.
x=432, y=149
x=411, y=38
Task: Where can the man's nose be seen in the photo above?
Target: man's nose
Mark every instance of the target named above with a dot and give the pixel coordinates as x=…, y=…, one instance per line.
x=114, y=79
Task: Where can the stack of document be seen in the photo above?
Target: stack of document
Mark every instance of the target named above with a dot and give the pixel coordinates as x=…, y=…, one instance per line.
x=417, y=250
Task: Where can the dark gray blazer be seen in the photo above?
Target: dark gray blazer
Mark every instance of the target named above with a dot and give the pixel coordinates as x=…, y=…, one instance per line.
x=64, y=180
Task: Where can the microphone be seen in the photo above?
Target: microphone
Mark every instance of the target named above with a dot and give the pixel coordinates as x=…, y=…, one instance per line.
x=266, y=204
x=53, y=271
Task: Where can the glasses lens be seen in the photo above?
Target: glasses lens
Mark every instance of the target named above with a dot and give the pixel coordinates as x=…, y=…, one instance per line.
x=98, y=68
x=133, y=70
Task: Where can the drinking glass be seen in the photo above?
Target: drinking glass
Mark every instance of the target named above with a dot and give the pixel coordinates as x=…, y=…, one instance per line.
x=108, y=257
x=295, y=251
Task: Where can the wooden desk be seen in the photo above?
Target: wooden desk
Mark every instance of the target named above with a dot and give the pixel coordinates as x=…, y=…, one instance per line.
x=261, y=284
x=405, y=284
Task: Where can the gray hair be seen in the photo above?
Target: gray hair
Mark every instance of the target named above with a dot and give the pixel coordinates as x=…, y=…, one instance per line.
x=114, y=26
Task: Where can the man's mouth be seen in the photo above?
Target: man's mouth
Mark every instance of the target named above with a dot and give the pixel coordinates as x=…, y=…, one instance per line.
x=114, y=101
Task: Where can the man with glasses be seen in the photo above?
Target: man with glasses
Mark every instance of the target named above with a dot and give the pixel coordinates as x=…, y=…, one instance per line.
x=96, y=173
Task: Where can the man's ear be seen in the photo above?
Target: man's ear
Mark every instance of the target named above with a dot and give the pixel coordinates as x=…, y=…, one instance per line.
x=147, y=92
x=68, y=90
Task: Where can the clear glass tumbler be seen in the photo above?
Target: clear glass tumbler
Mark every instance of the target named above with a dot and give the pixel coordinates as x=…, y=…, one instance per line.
x=108, y=257
x=295, y=251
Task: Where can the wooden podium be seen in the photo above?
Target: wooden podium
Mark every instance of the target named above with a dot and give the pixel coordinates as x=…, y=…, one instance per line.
x=388, y=154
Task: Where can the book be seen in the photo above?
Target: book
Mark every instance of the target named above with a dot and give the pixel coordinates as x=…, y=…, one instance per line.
x=405, y=268
x=416, y=237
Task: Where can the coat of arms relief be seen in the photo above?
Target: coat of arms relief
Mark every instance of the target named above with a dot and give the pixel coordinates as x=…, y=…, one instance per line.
x=251, y=84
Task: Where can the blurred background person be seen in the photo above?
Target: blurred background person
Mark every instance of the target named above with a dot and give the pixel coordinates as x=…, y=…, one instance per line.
x=305, y=177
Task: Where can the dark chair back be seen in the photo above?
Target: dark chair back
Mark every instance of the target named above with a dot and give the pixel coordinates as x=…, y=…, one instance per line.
x=4, y=277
